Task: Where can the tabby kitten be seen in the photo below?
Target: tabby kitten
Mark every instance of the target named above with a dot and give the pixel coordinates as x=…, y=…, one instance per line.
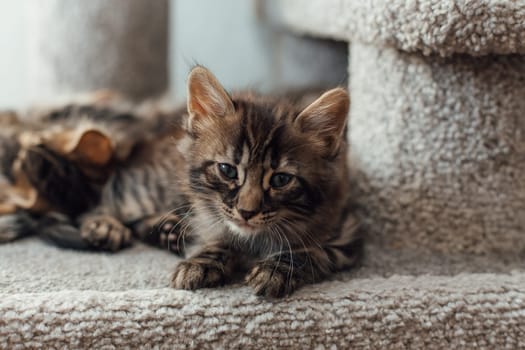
x=268, y=184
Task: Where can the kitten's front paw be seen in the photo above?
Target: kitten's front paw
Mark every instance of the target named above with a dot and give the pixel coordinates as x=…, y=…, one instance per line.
x=272, y=279
x=105, y=232
x=192, y=275
x=15, y=226
x=163, y=231
x=170, y=235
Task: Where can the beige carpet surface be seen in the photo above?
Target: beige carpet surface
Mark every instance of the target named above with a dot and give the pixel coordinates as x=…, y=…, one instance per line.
x=53, y=298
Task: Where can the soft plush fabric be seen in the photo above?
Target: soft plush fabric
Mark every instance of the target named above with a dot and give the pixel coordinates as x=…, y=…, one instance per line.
x=53, y=298
x=429, y=26
x=438, y=149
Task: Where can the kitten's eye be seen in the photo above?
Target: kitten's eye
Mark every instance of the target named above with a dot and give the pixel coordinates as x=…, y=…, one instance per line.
x=280, y=180
x=229, y=171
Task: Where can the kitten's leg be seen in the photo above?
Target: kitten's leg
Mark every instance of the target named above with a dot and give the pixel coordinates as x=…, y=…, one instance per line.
x=281, y=274
x=166, y=231
x=15, y=226
x=285, y=271
x=58, y=229
x=211, y=267
x=104, y=232
x=99, y=232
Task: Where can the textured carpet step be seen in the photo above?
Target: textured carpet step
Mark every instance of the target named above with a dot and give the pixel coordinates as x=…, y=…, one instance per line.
x=399, y=312
x=54, y=298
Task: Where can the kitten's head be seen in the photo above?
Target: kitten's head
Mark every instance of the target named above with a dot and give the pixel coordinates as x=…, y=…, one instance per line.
x=54, y=160
x=58, y=158
x=53, y=168
x=259, y=167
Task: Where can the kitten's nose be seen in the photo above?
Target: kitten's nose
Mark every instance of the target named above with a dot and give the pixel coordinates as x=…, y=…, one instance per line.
x=246, y=214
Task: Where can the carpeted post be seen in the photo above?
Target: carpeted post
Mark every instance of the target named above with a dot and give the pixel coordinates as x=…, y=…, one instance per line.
x=78, y=46
x=437, y=148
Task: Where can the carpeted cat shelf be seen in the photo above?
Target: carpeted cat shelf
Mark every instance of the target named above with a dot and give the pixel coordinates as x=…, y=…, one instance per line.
x=438, y=151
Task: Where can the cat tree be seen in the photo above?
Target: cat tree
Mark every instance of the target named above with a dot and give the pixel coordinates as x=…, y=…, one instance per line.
x=437, y=125
x=81, y=46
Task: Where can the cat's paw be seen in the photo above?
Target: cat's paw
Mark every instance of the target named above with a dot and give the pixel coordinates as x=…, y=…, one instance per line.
x=192, y=275
x=163, y=231
x=170, y=235
x=15, y=226
x=105, y=232
x=272, y=279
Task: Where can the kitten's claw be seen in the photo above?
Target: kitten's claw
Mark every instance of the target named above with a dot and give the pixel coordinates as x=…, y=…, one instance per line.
x=105, y=232
x=272, y=280
x=193, y=275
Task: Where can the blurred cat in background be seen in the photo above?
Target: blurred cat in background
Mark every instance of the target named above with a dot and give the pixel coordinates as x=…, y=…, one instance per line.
x=55, y=162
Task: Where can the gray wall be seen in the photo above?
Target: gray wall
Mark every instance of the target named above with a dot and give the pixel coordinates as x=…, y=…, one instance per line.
x=226, y=36
x=13, y=57
x=242, y=43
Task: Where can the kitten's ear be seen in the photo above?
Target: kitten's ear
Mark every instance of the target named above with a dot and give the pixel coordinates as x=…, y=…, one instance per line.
x=93, y=147
x=88, y=146
x=206, y=97
x=324, y=120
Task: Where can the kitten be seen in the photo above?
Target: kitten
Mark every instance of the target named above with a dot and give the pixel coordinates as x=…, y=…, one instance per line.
x=269, y=183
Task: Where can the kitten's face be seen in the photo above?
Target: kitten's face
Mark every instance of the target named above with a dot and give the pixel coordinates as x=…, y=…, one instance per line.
x=255, y=170
x=262, y=168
